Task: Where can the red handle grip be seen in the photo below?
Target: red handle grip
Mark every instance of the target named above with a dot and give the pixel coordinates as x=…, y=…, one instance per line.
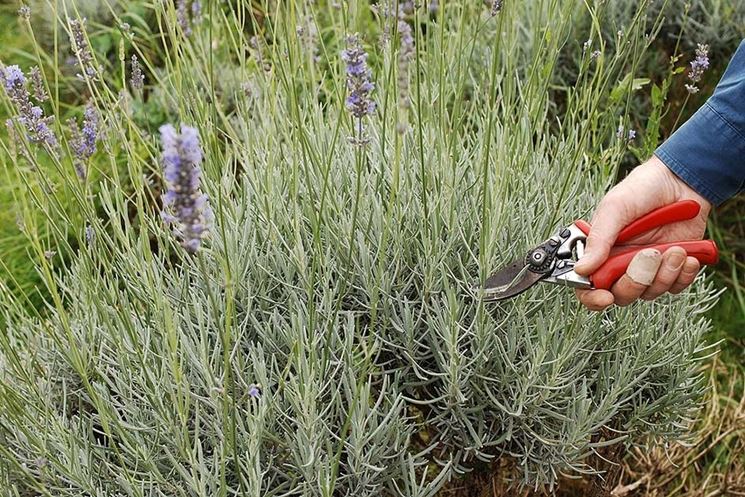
x=671, y=213
x=612, y=269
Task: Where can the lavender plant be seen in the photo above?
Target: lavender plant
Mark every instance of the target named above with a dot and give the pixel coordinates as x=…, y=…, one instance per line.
x=327, y=340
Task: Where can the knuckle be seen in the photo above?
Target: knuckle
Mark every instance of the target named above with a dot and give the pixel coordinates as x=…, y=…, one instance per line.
x=664, y=280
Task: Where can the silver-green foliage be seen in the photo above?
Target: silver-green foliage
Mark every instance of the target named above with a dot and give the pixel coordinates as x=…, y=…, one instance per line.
x=338, y=277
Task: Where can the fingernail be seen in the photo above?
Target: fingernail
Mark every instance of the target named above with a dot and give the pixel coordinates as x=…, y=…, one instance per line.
x=675, y=260
x=643, y=267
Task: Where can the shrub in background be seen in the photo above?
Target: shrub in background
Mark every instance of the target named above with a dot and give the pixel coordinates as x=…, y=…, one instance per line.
x=324, y=338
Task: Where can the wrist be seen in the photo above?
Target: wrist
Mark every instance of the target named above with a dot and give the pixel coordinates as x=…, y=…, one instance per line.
x=672, y=182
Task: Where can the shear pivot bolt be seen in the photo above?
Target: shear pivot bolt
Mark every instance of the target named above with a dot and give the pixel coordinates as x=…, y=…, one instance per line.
x=537, y=257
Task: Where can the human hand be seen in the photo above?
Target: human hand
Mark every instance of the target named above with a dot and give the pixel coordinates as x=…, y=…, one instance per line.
x=650, y=273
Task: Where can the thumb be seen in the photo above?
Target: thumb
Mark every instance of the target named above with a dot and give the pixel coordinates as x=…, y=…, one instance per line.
x=613, y=214
x=644, y=189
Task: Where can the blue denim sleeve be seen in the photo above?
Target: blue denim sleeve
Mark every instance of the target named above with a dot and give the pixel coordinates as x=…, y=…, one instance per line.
x=708, y=151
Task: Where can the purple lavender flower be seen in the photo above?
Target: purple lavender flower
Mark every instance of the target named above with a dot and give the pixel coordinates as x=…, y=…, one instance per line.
x=254, y=391
x=622, y=134
x=14, y=82
x=698, y=67
x=83, y=143
x=496, y=7
x=184, y=204
x=81, y=49
x=406, y=7
x=359, y=83
x=37, y=83
x=136, y=79
x=308, y=37
x=188, y=12
x=90, y=234
x=30, y=116
x=405, y=54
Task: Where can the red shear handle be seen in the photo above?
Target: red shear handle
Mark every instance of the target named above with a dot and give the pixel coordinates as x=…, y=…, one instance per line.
x=671, y=213
x=612, y=269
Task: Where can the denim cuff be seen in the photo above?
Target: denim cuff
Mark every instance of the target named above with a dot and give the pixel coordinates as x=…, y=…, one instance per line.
x=708, y=153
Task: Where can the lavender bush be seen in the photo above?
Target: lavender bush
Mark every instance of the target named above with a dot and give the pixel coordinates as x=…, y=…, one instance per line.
x=311, y=329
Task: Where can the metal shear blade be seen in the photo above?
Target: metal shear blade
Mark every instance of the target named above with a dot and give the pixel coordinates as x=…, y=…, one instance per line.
x=511, y=281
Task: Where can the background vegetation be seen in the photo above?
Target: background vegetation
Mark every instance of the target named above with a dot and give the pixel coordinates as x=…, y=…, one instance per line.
x=258, y=58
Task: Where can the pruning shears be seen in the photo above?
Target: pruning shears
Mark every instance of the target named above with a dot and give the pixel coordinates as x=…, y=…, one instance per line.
x=553, y=260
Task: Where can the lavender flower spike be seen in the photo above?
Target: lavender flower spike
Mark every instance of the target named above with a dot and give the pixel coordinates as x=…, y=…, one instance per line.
x=188, y=12
x=37, y=83
x=30, y=116
x=496, y=7
x=360, y=87
x=405, y=54
x=359, y=101
x=81, y=49
x=698, y=66
x=136, y=79
x=83, y=143
x=184, y=204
